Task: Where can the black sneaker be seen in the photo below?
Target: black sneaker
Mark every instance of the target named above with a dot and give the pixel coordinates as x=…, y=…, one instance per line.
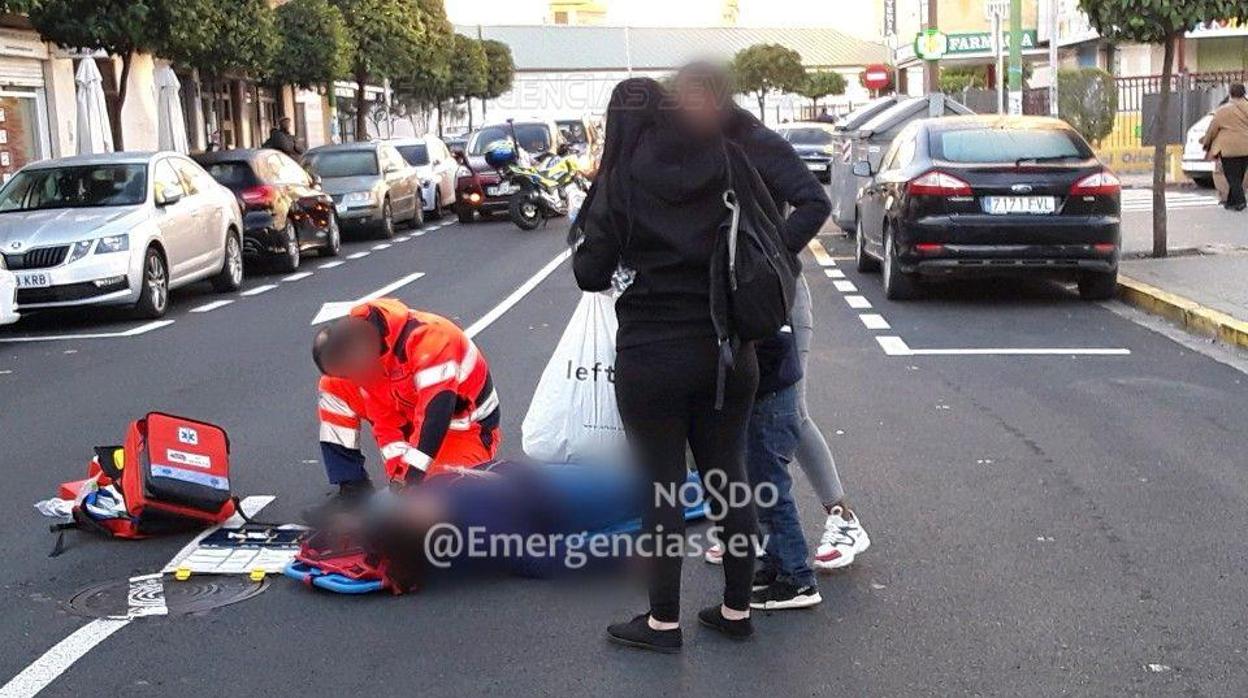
x=638, y=633
x=713, y=618
x=764, y=577
x=349, y=497
x=781, y=595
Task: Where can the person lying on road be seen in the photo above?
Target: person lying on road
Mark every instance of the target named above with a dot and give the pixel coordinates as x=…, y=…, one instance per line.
x=422, y=385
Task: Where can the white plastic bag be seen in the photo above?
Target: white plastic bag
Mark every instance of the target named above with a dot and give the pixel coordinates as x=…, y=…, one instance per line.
x=573, y=416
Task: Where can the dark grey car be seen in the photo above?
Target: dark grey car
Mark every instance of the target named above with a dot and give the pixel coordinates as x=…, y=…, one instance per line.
x=371, y=184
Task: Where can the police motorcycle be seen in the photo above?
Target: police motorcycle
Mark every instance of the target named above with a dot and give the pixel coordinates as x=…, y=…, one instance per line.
x=547, y=184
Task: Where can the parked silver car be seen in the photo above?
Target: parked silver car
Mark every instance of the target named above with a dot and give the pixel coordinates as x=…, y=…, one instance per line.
x=117, y=229
x=371, y=184
x=436, y=167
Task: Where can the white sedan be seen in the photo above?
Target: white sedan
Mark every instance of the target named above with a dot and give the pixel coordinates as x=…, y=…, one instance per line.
x=436, y=167
x=1195, y=165
x=117, y=229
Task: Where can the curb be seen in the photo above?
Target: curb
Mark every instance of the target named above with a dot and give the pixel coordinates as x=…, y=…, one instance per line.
x=1189, y=314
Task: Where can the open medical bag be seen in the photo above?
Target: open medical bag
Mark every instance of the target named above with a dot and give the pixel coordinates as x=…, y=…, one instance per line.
x=172, y=474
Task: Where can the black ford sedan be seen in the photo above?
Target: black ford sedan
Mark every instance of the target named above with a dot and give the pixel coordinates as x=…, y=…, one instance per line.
x=989, y=195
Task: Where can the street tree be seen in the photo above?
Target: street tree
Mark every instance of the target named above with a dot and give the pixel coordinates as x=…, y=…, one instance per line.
x=1158, y=22
x=120, y=28
x=428, y=84
x=385, y=37
x=223, y=37
x=469, y=73
x=958, y=79
x=314, y=48
x=1088, y=101
x=820, y=84
x=500, y=72
x=764, y=68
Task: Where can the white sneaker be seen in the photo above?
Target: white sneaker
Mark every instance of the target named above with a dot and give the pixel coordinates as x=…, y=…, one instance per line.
x=843, y=539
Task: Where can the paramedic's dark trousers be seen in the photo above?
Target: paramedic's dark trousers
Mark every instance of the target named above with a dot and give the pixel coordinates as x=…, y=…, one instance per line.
x=342, y=464
x=666, y=395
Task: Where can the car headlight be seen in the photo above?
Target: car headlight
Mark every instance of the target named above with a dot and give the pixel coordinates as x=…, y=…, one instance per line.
x=358, y=197
x=113, y=243
x=80, y=250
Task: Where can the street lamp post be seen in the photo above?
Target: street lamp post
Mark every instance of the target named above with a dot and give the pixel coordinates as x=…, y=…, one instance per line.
x=1016, y=57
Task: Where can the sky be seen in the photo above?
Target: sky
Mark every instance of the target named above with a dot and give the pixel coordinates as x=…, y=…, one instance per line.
x=858, y=17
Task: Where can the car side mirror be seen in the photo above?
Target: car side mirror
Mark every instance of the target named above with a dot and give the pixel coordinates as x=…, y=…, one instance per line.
x=862, y=168
x=168, y=198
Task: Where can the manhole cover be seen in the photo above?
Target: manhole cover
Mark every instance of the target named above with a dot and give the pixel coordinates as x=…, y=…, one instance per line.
x=146, y=596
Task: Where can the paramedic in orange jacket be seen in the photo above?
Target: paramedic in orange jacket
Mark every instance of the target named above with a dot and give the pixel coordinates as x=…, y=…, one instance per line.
x=421, y=384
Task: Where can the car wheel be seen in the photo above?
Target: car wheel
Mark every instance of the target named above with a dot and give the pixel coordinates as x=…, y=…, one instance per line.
x=230, y=278
x=387, y=220
x=437, y=211
x=154, y=296
x=333, y=238
x=898, y=285
x=289, y=261
x=1097, y=285
x=863, y=261
x=464, y=214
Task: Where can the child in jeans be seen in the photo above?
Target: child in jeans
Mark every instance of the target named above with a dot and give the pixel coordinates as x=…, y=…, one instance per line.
x=784, y=578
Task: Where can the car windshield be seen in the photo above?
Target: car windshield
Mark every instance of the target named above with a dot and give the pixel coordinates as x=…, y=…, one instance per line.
x=993, y=145
x=231, y=174
x=806, y=136
x=534, y=138
x=75, y=187
x=343, y=163
x=416, y=155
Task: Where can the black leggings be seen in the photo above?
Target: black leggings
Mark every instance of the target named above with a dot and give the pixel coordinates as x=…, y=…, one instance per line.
x=666, y=395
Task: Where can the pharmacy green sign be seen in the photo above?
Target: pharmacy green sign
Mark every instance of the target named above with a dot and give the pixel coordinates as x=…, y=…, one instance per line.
x=981, y=42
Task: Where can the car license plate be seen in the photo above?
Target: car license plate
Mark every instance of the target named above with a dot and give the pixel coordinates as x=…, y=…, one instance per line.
x=502, y=190
x=1033, y=205
x=34, y=280
x=817, y=166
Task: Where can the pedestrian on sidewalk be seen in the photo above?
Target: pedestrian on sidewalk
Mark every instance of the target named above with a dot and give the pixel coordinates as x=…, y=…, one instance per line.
x=1227, y=141
x=784, y=578
x=704, y=90
x=656, y=209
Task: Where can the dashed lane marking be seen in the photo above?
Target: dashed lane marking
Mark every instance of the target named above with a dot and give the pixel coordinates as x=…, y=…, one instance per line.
x=403, y=238
x=359, y=255
x=381, y=246
x=858, y=302
x=297, y=276
x=834, y=273
x=874, y=321
x=331, y=265
x=845, y=286
x=821, y=254
x=258, y=290
x=209, y=307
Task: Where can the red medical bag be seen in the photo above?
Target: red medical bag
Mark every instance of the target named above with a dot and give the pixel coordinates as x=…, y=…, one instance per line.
x=173, y=474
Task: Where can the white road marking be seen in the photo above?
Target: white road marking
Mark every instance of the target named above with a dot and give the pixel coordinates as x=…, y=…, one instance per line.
x=834, y=273
x=419, y=233
x=6, y=372
x=1141, y=200
x=258, y=290
x=403, y=238
x=874, y=321
x=331, y=265
x=896, y=346
x=297, y=276
x=858, y=302
x=845, y=286
x=336, y=309
x=821, y=254
x=132, y=332
x=57, y=660
x=359, y=255
x=515, y=297
x=382, y=246
x=61, y=657
x=209, y=307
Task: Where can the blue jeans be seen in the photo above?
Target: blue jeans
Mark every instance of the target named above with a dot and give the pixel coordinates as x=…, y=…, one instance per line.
x=774, y=432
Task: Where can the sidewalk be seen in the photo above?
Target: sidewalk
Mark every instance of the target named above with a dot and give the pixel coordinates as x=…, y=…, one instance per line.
x=1203, y=285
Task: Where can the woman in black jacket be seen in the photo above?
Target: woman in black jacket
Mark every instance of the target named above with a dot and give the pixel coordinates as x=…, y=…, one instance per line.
x=653, y=216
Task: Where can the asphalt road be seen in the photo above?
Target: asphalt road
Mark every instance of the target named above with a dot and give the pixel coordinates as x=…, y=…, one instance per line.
x=1042, y=524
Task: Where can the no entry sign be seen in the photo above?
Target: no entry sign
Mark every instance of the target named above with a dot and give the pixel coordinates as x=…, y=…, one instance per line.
x=876, y=77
